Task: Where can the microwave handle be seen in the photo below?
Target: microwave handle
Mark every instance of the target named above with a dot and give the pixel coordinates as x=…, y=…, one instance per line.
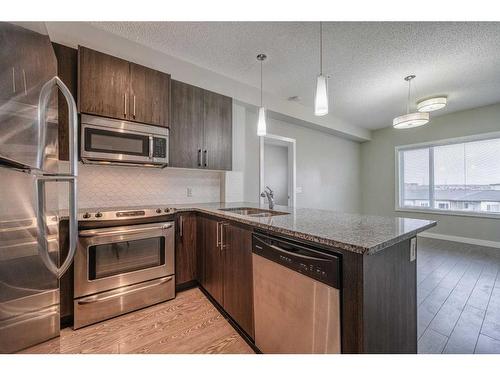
x=151, y=144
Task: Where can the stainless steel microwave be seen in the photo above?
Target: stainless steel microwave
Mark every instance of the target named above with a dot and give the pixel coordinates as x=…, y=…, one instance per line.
x=109, y=141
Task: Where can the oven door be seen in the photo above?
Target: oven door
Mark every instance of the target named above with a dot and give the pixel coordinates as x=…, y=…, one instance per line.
x=109, y=258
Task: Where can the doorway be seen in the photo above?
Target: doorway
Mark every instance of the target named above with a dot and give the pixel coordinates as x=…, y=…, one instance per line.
x=277, y=168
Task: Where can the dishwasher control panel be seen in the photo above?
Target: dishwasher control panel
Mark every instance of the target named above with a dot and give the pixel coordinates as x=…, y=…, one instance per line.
x=306, y=260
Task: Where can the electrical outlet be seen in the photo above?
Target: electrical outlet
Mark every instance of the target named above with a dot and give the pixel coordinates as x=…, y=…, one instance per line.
x=189, y=192
x=413, y=249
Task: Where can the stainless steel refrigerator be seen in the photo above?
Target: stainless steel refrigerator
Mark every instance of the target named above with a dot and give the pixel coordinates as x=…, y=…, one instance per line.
x=33, y=191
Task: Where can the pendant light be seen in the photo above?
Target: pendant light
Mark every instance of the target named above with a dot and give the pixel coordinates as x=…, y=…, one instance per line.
x=410, y=120
x=321, y=97
x=261, y=124
x=432, y=104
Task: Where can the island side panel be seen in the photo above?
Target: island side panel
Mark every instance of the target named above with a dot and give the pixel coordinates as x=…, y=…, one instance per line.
x=390, y=301
x=351, y=302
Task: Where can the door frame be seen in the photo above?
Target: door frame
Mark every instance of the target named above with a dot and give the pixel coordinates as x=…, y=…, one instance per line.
x=290, y=144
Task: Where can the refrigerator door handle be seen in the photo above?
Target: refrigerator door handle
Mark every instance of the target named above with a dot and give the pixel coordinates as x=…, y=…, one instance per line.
x=43, y=250
x=43, y=102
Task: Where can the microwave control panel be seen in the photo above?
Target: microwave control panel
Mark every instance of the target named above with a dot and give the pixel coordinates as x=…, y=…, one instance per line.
x=159, y=147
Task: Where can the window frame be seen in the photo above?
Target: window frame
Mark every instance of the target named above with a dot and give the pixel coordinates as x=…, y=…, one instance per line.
x=443, y=142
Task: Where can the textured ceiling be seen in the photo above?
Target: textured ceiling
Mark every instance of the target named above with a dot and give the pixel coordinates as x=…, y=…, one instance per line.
x=366, y=60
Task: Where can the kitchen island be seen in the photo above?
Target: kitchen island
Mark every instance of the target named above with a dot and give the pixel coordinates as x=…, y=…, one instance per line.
x=378, y=293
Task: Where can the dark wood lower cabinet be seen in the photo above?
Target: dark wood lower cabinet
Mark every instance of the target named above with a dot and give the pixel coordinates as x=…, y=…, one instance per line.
x=185, y=249
x=238, y=282
x=225, y=268
x=212, y=260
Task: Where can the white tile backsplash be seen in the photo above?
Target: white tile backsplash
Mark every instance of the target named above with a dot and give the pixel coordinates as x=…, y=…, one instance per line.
x=109, y=186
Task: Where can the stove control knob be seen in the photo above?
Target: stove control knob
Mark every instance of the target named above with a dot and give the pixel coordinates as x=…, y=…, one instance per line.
x=86, y=215
x=158, y=210
x=98, y=214
x=166, y=210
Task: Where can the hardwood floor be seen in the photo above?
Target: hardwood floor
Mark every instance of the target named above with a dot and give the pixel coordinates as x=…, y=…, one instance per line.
x=458, y=297
x=187, y=324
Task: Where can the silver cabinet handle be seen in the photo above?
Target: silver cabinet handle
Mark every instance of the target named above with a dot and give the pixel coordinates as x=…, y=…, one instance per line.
x=205, y=153
x=199, y=157
x=223, y=245
x=124, y=291
x=134, y=108
x=181, y=226
x=24, y=81
x=125, y=105
x=217, y=237
x=13, y=80
x=43, y=101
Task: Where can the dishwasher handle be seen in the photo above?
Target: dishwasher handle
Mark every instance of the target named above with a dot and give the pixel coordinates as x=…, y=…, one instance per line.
x=309, y=261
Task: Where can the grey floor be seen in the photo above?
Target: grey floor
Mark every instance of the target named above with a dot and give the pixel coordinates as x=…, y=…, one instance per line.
x=458, y=297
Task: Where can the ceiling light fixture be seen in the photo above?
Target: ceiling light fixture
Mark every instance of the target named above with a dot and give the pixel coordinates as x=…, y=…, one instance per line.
x=432, y=104
x=261, y=124
x=410, y=120
x=321, y=97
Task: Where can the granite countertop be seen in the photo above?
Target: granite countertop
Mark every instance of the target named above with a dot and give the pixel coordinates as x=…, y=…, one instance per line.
x=359, y=233
x=365, y=234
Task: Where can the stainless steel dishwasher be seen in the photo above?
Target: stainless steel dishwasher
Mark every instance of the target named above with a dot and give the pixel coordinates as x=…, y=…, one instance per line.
x=296, y=297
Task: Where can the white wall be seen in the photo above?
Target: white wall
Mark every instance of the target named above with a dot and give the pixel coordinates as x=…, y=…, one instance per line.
x=276, y=171
x=378, y=169
x=328, y=167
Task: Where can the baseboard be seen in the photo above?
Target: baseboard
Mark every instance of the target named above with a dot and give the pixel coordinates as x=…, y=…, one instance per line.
x=468, y=240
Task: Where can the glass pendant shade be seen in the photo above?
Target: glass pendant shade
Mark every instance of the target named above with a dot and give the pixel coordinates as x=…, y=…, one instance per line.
x=432, y=104
x=261, y=124
x=411, y=120
x=321, y=98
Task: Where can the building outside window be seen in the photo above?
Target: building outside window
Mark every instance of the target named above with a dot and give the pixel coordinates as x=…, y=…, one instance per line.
x=457, y=175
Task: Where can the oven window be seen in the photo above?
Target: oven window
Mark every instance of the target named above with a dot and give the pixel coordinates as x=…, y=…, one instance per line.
x=116, y=143
x=127, y=256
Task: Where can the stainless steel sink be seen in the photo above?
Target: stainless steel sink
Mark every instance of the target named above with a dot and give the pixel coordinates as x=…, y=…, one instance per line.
x=253, y=212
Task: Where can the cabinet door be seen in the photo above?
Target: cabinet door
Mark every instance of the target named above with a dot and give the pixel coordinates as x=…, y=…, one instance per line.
x=238, y=282
x=103, y=84
x=67, y=70
x=185, y=249
x=218, y=123
x=213, y=263
x=149, y=96
x=186, y=128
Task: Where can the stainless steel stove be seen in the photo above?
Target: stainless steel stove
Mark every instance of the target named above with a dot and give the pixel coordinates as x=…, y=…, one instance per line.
x=124, y=261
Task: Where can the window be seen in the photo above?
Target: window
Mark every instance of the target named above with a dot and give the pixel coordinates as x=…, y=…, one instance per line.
x=456, y=175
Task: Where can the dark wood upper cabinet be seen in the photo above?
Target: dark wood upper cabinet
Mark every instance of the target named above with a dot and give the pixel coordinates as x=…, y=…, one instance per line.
x=116, y=88
x=185, y=249
x=149, y=95
x=103, y=84
x=213, y=263
x=186, y=129
x=238, y=280
x=201, y=128
x=67, y=70
x=217, y=117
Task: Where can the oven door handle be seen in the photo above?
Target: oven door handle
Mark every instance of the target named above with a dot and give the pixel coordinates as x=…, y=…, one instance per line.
x=123, y=291
x=122, y=230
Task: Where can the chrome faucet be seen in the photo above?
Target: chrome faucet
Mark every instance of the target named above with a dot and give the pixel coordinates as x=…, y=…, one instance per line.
x=270, y=196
